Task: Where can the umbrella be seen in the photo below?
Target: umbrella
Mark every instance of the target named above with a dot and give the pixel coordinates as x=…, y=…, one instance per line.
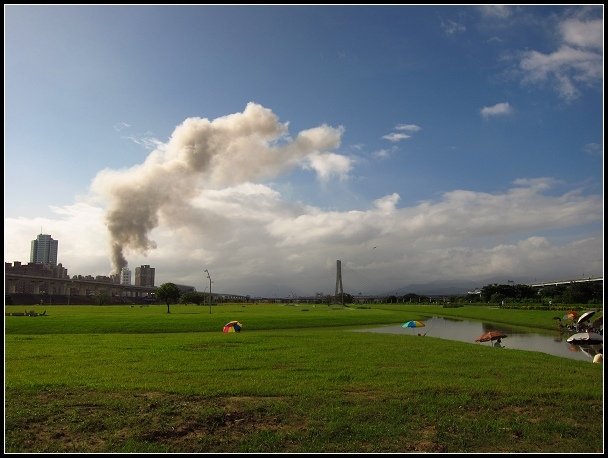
x=585, y=338
x=413, y=324
x=585, y=316
x=570, y=315
x=490, y=335
x=233, y=326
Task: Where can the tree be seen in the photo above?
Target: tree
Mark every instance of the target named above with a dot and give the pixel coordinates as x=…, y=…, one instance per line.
x=168, y=293
x=348, y=298
x=580, y=293
x=192, y=297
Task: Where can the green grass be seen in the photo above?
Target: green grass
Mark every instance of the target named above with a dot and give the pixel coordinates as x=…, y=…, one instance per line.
x=191, y=318
x=121, y=379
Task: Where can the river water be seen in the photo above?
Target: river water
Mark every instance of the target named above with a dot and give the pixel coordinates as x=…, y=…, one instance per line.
x=468, y=331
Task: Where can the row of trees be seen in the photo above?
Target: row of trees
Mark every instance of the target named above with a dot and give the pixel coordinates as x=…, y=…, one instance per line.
x=571, y=293
x=169, y=293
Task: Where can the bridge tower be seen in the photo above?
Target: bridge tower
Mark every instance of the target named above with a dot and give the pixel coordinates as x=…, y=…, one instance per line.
x=339, y=287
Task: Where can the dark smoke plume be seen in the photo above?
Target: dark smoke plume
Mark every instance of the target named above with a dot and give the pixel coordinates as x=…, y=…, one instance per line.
x=203, y=154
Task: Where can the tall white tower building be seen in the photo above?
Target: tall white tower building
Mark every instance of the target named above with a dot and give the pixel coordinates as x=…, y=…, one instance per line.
x=44, y=250
x=125, y=276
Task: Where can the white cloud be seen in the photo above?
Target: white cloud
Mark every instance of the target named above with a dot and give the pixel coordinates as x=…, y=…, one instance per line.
x=452, y=27
x=584, y=34
x=395, y=137
x=500, y=109
x=408, y=127
x=535, y=184
x=384, y=153
x=328, y=164
x=145, y=140
x=387, y=204
x=399, y=135
x=497, y=11
x=121, y=125
x=253, y=241
x=595, y=149
x=577, y=61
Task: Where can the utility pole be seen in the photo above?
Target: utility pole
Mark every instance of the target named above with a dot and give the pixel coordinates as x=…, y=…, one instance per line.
x=210, y=296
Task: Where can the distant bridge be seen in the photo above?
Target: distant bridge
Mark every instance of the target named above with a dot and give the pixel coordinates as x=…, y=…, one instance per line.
x=553, y=283
x=567, y=282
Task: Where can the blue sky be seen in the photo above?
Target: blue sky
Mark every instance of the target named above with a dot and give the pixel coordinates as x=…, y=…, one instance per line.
x=464, y=143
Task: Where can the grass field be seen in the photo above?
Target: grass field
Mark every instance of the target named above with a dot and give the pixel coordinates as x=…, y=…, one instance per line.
x=296, y=379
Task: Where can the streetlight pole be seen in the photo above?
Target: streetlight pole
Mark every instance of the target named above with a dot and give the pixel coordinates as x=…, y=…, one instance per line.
x=209, y=277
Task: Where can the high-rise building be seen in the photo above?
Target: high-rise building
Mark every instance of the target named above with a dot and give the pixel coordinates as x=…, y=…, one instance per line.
x=125, y=276
x=44, y=250
x=144, y=276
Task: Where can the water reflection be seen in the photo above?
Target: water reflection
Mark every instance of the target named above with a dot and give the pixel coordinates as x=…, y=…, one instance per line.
x=517, y=338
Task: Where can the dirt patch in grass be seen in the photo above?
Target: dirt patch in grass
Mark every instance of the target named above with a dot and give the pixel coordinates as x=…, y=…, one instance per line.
x=361, y=420
x=93, y=421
